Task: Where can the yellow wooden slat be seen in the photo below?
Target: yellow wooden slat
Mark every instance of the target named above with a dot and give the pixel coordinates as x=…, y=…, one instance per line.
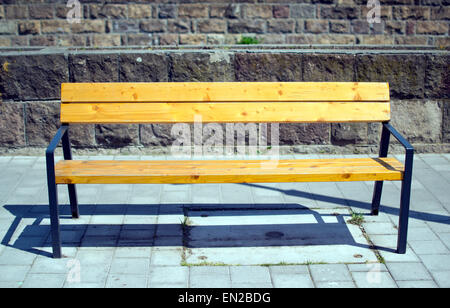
x=132, y=172
x=282, y=112
x=224, y=92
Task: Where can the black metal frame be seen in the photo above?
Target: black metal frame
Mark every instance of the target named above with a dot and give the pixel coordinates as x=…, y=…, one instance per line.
x=405, y=194
x=61, y=135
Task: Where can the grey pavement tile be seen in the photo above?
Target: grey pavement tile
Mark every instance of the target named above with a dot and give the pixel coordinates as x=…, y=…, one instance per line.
x=292, y=276
x=176, y=197
x=442, y=278
x=428, y=247
x=88, y=273
x=10, y=284
x=92, y=258
x=329, y=272
x=9, y=273
x=168, y=277
x=335, y=284
x=327, y=195
x=408, y=271
x=206, y=193
x=46, y=265
x=133, y=252
x=379, y=228
x=248, y=274
x=44, y=281
x=367, y=267
x=130, y=266
x=84, y=285
x=209, y=277
x=445, y=238
x=440, y=227
x=421, y=234
x=236, y=194
x=166, y=256
x=410, y=284
x=298, y=193
x=14, y=256
x=373, y=280
x=126, y=281
x=292, y=281
x=436, y=262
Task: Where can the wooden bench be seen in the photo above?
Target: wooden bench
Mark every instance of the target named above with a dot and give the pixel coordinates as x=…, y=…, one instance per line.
x=223, y=102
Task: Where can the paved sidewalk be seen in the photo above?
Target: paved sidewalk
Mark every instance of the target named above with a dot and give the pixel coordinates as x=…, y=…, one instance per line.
x=227, y=235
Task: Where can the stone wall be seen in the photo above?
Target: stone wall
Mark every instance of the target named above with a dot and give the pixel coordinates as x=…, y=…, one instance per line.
x=419, y=85
x=172, y=22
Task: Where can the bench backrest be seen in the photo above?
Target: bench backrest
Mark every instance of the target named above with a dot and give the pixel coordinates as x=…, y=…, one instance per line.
x=220, y=102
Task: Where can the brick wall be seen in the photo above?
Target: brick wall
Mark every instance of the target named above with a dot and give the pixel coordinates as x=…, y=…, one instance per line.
x=419, y=83
x=171, y=22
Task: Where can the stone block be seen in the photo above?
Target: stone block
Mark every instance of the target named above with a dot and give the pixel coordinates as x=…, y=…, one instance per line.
x=302, y=133
x=42, y=11
x=432, y=27
x=93, y=67
x=280, y=26
x=328, y=67
x=145, y=67
x=405, y=73
x=12, y=124
x=89, y=26
x=32, y=77
x=41, y=122
x=212, y=26
x=348, y=133
x=29, y=27
x=167, y=11
x=156, y=134
x=257, y=11
x=281, y=11
x=82, y=135
x=211, y=66
x=420, y=121
x=139, y=11
x=437, y=76
x=112, y=11
x=268, y=66
x=193, y=10
x=446, y=121
x=247, y=26
x=192, y=39
x=117, y=135
x=152, y=26
x=303, y=11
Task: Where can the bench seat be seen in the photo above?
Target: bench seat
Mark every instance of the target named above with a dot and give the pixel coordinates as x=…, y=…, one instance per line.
x=227, y=171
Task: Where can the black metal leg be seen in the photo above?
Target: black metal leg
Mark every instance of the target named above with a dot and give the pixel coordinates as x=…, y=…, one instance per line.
x=54, y=207
x=384, y=146
x=376, y=199
x=67, y=151
x=73, y=200
x=404, y=204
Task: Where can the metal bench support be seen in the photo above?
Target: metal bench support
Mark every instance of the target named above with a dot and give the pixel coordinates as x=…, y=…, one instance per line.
x=406, y=184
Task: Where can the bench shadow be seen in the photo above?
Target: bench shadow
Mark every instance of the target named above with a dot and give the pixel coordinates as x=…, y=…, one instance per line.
x=444, y=219
x=209, y=225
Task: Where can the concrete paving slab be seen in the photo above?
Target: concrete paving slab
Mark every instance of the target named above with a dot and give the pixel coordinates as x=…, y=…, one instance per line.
x=274, y=236
x=374, y=280
x=300, y=227
x=168, y=277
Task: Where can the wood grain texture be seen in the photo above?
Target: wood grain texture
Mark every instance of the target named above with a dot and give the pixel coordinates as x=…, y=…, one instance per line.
x=282, y=112
x=225, y=92
x=228, y=171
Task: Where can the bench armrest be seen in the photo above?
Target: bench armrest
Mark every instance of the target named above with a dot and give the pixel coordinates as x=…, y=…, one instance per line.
x=408, y=147
x=56, y=139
